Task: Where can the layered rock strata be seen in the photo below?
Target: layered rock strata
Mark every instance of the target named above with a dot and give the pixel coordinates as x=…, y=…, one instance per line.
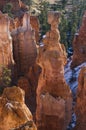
x=54, y=99
x=24, y=46
x=79, y=45
x=18, y=21
x=81, y=101
x=6, y=54
x=14, y=114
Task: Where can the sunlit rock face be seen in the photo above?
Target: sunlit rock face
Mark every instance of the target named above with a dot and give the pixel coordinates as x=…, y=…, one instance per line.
x=54, y=100
x=35, y=25
x=14, y=114
x=18, y=21
x=6, y=57
x=15, y=23
x=79, y=45
x=24, y=46
x=81, y=101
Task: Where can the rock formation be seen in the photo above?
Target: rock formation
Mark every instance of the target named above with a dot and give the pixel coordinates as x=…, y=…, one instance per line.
x=24, y=46
x=81, y=101
x=25, y=53
x=24, y=84
x=18, y=21
x=14, y=114
x=35, y=25
x=29, y=84
x=79, y=45
x=6, y=57
x=54, y=99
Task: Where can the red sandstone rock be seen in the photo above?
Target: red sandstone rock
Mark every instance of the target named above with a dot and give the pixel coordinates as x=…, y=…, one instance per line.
x=24, y=84
x=29, y=84
x=18, y=21
x=24, y=46
x=81, y=101
x=25, y=52
x=79, y=45
x=14, y=114
x=15, y=23
x=35, y=25
x=6, y=54
x=54, y=100
x=33, y=75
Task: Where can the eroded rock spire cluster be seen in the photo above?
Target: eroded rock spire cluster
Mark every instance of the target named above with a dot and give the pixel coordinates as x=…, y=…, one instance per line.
x=49, y=91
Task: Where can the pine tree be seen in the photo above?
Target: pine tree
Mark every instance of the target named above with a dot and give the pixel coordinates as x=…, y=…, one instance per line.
x=43, y=8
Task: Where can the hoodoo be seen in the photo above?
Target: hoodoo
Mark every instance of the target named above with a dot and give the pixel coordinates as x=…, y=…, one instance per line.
x=54, y=99
x=80, y=108
x=24, y=46
x=79, y=45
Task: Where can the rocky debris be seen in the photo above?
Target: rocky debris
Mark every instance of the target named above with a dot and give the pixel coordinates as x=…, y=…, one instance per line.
x=79, y=45
x=80, y=108
x=14, y=114
x=24, y=46
x=52, y=88
x=6, y=54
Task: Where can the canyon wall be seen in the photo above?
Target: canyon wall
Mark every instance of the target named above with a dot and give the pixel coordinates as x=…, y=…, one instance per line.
x=80, y=108
x=14, y=114
x=79, y=45
x=54, y=99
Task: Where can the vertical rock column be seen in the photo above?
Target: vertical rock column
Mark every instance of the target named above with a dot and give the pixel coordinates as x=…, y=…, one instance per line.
x=79, y=45
x=35, y=25
x=81, y=101
x=24, y=47
x=6, y=57
x=54, y=100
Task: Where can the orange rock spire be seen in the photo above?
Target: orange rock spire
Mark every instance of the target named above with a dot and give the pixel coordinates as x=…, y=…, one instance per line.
x=54, y=100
